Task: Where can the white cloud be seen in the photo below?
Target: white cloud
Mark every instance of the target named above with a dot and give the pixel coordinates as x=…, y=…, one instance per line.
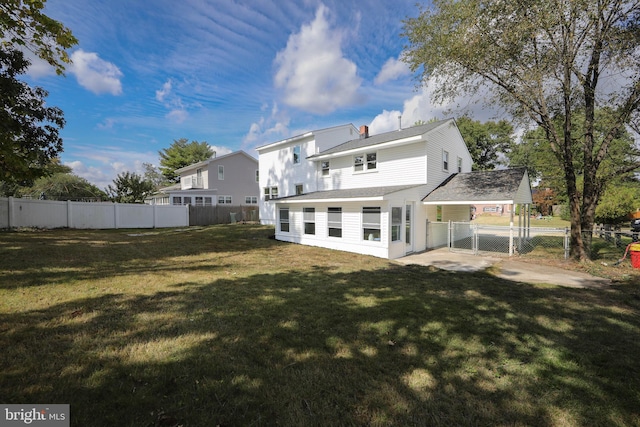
x=312, y=71
x=177, y=115
x=391, y=70
x=95, y=74
x=166, y=90
x=269, y=129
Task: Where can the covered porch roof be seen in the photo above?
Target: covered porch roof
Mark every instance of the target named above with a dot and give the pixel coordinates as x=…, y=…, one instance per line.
x=347, y=195
x=505, y=186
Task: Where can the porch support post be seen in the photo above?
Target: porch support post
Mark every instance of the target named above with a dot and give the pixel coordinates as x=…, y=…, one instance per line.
x=511, y=231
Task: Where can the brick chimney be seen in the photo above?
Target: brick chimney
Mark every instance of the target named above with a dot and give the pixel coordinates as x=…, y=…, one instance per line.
x=364, y=132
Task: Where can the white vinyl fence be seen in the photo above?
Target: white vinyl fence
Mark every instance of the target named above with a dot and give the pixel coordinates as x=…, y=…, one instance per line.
x=54, y=214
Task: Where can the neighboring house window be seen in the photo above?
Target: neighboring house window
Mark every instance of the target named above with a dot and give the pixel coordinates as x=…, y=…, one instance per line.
x=362, y=162
x=396, y=223
x=186, y=200
x=224, y=200
x=207, y=201
x=257, y=175
x=251, y=200
x=198, y=178
x=445, y=160
x=325, y=168
x=299, y=189
x=221, y=172
x=459, y=164
x=274, y=192
x=309, y=217
x=284, y=219
x=371, y=223
x=199, y=201
x=334, y=221
x=296, y=155
x=177, y=200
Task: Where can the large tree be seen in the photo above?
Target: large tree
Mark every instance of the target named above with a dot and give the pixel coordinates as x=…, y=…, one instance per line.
x=180, y=154
x=541, y=60
x=129, y=187
x=487, y=142
x=29, y=129
x=24, y=26
x=64, y=186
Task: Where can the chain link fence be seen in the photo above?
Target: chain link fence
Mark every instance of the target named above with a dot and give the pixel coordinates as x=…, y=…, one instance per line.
x=540, y=242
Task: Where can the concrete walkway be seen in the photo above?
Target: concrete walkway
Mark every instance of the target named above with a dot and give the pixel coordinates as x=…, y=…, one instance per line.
x=505, y=268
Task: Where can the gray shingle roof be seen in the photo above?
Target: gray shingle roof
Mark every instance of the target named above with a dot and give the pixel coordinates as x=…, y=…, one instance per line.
x=382, y=138
x=353, y=193
x=477, y=186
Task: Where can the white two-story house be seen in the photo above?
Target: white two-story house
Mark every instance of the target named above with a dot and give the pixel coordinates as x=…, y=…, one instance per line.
x=344, y=189
x=231, y=179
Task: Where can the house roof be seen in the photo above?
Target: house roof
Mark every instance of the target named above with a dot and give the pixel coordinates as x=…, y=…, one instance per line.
x=505, y=185
x=413, y=132
x=371, y=193
x=214, y=159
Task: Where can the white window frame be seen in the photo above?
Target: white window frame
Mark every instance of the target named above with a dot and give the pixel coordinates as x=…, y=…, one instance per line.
x=257, y=175
x=299, y=189
x=250, y=200
x=199, y=201
x=309, y=219
x=371, y=228
x=186, y=200
x=445, y=160
x=325, y=168
x=365, y=162
x=220, y=172
x=396, y=224
x=284, y=222
x=459, y=164
x=334, y=222
x=297, y=154
x=225, y=200
x=175, y=199
x=208, y=201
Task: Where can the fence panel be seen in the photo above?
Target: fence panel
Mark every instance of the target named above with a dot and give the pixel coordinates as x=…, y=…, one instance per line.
x=221, y=214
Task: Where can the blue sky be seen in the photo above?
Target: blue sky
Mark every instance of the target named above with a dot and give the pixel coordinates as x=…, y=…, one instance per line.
x=237, y=74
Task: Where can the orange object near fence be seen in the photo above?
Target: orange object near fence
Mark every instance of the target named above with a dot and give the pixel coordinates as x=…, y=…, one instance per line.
x=634, y=248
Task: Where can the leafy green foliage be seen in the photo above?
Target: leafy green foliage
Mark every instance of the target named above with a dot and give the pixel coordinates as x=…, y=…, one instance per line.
x=129, y=187
x=180, y=154
x=153, y=175
x=617, y=203
x=29, y=136
x=64, y=186
x=22, y=24
x=542, y=62
x=486, y=142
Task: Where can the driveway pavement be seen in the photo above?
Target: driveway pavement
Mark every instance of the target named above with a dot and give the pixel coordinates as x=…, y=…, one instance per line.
x=505, y=268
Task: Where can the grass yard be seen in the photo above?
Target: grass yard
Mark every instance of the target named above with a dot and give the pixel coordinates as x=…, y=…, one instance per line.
x=221, y=326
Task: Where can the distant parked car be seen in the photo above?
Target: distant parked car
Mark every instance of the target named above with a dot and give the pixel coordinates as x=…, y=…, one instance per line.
x=635, y=225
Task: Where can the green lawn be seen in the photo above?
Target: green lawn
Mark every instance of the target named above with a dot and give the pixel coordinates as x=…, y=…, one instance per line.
x=222, y=326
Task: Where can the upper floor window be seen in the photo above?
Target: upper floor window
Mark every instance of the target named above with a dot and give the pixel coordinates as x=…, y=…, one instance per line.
x=445, y=160
x=299, y=189
x=325, y=168
x=459, y=164
x=363, y=162
x=270, y=193
x=251, y=200
x=257, y=175
x=296, y=154
x=221, y=172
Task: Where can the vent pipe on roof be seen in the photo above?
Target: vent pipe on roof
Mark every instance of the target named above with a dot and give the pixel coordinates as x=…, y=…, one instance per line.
x=364, y=132
x=399, y=122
